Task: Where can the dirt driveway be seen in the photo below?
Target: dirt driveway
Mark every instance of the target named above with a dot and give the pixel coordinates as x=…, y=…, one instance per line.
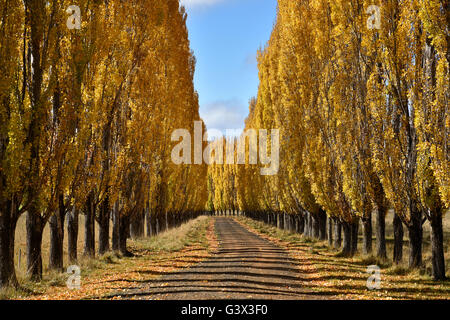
x=245, y=266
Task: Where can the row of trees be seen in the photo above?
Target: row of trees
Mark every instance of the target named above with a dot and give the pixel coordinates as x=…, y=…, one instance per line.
x=86, y=116
x=364, y=120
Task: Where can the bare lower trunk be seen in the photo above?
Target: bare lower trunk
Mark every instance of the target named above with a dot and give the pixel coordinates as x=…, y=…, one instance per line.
x=35, y=226
x=354, y=236
x=315, y=226
x=89, y=228
x=124, y=231
x=137, y=225
x=330, y=231
x=398, y=239
x=57, y=238
x=103, y=232
x=381, y=233
x=279, y=224
x=337, y=233
x=322, y=221
x=56, y=244
x=7, y=234
x=347, y=231
x=167, y=223
x=290, y=222
x=308, y=225
x=148, y=219
x=437, y=247
x=415, y=240
x=153, y=222
x=72, y=235
x=103, y=236
x=367, y=234
x=116, y=227
x=157, y=228
x=301, y=223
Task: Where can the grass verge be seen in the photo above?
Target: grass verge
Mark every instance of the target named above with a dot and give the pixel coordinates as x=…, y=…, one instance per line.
x=153, y=257
x=325, y=272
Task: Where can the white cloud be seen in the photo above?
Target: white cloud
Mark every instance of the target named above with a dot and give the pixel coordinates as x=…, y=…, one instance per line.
x=222, y=115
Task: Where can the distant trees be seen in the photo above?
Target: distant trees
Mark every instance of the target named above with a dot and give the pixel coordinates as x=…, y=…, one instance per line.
x=86, y=116
x=364, y=121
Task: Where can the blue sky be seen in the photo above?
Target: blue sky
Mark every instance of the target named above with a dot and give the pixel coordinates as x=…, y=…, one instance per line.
x=225, y=36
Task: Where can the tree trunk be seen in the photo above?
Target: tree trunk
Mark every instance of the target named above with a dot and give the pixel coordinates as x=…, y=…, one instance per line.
x=288, y=222
x=367, y=234
x=167, y=222
x=7, y=234
x=103, y=236
x=307, y=231
x=56, y=255
x=137, y=225
x=57, y=237
x=337, y=233
x=398, y=239
x=305, y=228
x=315, y=226
x=354, y=235
x=381, y=232
x=157, y=228
x=280, y=221
x=322, y=220
x=437, y=247
x=116, y=227
x=124, y=231
x=301, y=223
x=103, y=232
x=153, y=221
x=35, y=226
x=415, y=240
x=347, y=230
x=72, y=235
x=330, y=231
x=89, y=228
x=148, y=217
x=35, y=223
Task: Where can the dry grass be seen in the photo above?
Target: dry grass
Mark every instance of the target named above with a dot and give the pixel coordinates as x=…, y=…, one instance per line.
x=346, y=278
x=426, y=248
x=177, y=248
x=21, y=245
x=175, y=239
